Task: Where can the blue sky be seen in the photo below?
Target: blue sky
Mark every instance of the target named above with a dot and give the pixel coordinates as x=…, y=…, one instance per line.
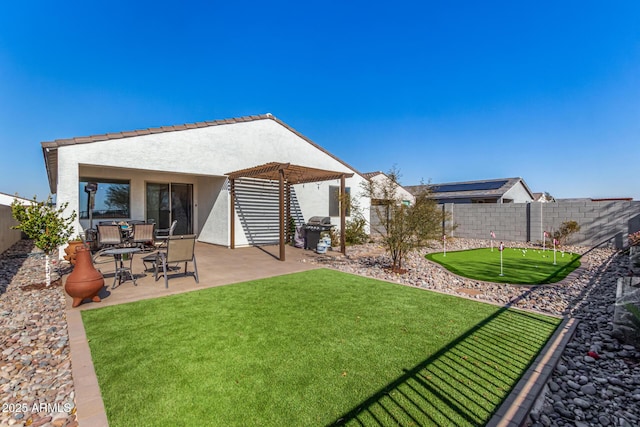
x=445, y=91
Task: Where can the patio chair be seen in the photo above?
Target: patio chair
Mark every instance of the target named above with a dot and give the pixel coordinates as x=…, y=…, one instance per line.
x=162, y=234
x=143, y=236
x=179, y=249
x=109, y=236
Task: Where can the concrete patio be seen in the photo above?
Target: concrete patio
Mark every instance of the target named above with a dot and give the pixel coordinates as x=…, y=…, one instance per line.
x=216, y=266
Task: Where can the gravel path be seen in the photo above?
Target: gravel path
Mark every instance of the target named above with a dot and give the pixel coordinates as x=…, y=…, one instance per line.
x=36, y=386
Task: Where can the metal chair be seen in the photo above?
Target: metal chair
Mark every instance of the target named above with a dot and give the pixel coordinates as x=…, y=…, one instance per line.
x=109, y=236
x=162, y=234
x=143, y=236
x=179, y=249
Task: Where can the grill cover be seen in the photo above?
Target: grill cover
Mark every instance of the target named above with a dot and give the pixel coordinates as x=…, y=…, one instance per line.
x=319, y=220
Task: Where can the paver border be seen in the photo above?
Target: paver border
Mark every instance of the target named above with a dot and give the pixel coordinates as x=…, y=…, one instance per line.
x=516, y=408
x=89, y=405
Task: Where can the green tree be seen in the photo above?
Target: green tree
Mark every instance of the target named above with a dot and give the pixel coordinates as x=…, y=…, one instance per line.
x=402, y=226
x=45, y=225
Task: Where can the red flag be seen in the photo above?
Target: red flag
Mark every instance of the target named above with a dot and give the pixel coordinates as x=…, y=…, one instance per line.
x=546, y=234
x=493, y=235
x=501, y=246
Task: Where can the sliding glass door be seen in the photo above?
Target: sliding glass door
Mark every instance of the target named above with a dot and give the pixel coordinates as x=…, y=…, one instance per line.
x=168, y=202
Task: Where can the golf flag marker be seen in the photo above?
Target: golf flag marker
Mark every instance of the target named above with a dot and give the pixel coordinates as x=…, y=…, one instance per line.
x=444, y=244
x=493, y=236
x=501, y=248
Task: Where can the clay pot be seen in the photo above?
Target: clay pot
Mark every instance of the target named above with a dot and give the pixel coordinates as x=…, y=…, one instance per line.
x=71, y=249
x=84, y=281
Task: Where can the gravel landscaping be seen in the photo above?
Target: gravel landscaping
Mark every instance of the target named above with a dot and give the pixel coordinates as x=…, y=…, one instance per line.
x=596, y=383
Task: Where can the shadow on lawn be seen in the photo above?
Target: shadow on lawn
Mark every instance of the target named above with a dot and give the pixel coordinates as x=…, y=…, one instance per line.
x=465, y=382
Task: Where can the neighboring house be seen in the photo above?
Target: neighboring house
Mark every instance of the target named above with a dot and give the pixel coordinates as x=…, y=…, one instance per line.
x=7, y=200
x=181, y=172
x=543, y=198
x=8, y=235
x=380, y=178
x=503, y=190
x=377, y=212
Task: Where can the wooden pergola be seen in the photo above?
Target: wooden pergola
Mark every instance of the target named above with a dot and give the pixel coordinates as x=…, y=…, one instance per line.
x=287, y=174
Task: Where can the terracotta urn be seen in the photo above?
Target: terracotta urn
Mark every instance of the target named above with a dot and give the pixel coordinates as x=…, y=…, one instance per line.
x=71, y=249
x=84, y=281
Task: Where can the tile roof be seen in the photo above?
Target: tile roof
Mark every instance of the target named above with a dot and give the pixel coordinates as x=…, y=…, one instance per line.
x=50, y=148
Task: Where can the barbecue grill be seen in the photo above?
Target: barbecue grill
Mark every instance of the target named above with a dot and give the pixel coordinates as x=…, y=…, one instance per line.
x=313, y=228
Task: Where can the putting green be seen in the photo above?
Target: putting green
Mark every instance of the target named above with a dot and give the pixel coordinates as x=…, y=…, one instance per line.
x=512, y=265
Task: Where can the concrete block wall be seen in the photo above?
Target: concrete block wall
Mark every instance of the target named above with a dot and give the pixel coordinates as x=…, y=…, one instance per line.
x=608, y=221
x=8, y=236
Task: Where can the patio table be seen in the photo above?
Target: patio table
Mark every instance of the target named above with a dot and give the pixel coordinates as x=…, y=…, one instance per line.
x=120, y=255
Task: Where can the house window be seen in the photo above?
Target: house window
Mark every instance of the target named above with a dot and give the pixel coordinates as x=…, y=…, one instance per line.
x=112, y=198
x=334, y=200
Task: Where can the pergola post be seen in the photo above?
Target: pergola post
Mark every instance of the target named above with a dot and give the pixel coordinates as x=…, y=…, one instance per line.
x=287, y=189
x=282, y=220
x=232, y=202
x=343, y=214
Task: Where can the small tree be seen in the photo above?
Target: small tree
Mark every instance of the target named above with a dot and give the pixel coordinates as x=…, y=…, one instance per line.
x=402, y=226
x=566, y=229
x=45, y=224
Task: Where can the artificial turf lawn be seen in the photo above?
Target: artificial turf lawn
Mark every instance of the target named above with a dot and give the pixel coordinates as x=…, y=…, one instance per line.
x=313, y=348
x=519, y=266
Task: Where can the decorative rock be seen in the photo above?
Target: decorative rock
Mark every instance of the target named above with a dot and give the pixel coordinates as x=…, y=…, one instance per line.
x=574, y=385
x=588, y=389
x=32, y=318
x=582, y=403
x=604, y=420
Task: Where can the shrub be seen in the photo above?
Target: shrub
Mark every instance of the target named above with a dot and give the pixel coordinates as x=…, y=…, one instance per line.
x=354, y=231
x=566, y=229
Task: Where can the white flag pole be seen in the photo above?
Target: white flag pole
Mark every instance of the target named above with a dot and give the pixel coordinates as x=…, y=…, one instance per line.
x=501, y=249
x=554, y=252
x=444, y=244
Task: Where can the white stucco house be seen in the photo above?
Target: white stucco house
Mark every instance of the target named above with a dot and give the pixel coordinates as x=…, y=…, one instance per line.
x=181, y=173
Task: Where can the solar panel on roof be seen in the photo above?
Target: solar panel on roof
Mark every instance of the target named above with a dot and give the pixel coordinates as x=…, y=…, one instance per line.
x=471, y=186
